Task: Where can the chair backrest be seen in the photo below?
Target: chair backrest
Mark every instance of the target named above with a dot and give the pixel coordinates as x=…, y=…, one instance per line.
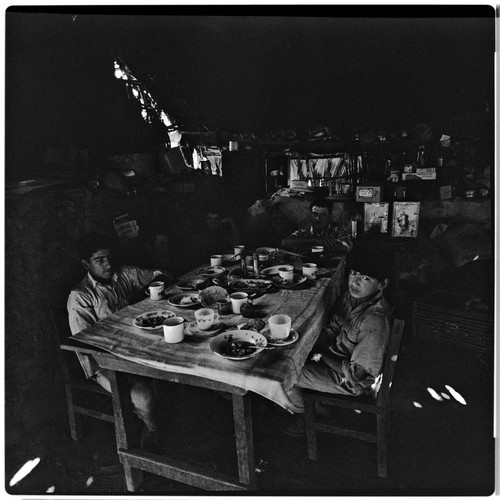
x=69, y=361
x=390, y=360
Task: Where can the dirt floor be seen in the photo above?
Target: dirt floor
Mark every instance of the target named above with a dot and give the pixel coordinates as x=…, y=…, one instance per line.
x=436, y=447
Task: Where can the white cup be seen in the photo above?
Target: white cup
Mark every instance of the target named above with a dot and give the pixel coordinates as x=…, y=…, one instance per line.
x=216, y=260
x=286, y=273
x=280, y=326
x=309, y=270
x=237, y=300
x=173, y=329
x=156, y=289
x=239, y=249
x=205, y=318
x=317, y=249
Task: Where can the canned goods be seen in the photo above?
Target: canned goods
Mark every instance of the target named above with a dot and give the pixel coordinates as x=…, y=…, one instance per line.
x=224, y=306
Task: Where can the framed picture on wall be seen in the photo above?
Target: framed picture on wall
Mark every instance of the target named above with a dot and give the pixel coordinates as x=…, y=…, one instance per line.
x=376, y=217
x=405, y=217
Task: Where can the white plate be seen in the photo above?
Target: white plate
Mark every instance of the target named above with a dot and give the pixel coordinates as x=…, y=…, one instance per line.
x=250, y=285
x=190, y=283
x=184, y=299
x=292, y=337
x=220, y=343
x=192, y=329
x=298, y=279
x=210, y=295
x=210, y=272
x=270, y=271
x=158, y=315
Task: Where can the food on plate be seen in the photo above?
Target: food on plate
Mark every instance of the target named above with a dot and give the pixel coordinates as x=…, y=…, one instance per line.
x=190, y=299
x=209, y=296
x=150, y=321
x=250, y=284
x=255, y=324
x=238, y=348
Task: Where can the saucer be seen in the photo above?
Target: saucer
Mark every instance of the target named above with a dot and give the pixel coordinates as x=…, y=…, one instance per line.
x=292, y=337
x=192, y=329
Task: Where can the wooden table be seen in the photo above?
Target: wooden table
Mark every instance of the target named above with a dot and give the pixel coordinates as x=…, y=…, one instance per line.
x=124, y=349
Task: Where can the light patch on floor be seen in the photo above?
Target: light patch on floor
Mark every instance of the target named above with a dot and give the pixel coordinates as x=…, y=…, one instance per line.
x=434, y=394
x=456, y=395
x=24, y=471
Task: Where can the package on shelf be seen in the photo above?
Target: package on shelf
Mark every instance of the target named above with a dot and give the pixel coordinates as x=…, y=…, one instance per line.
x=126, y=227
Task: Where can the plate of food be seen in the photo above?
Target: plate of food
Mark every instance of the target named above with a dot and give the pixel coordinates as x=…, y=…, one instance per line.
x=210, y=295
x=298, y=279
x=152, y=320
x=270, y=271
x=255, y=324
x=210, y=272
x=292, y=337
x=238, y=344
x=184, y=299
x=265, y=250
x=251, y=285
x=190, y=283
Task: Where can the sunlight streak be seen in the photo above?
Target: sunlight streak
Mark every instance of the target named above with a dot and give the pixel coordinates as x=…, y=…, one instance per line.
x=456, y=395
x=434, y=394
x=24, y=471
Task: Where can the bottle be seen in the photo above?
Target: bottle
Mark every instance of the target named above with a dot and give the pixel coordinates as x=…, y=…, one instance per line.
x=255, y=265
x=243, y=265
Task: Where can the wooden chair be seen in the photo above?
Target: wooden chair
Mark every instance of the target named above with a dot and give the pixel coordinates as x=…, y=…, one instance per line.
x=76, y=386
x=378, y=405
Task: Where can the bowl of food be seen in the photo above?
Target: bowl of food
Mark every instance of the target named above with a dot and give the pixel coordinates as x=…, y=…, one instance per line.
x=238, y=344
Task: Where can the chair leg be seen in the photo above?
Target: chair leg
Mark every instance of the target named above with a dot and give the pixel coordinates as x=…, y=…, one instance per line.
x=74, y=419
x=382, y=424
x=312, y=448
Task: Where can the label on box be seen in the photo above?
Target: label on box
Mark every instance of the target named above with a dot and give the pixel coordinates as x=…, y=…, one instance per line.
x=368, y=194
x=419, y=177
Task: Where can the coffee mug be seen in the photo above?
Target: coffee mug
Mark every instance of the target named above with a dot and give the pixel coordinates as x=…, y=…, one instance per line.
x=239, y=249
x=309, y=270
x=317, y=249
x=216, y=260
x=286, y=273
x=237, y=299
x=156, y=289
x=205, y=318
x=173, y=329
x=279, y=326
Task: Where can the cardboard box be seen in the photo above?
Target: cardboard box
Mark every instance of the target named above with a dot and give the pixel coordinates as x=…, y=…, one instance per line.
x=445, y=192
x=431, y=176
x=370, y=193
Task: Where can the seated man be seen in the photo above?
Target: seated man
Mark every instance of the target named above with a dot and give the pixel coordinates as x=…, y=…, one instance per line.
x=321, y=231
x=103, y=291
x=349, y=353
x=217, y=234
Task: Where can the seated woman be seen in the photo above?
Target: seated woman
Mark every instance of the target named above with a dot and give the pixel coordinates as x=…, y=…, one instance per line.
x=349, y=352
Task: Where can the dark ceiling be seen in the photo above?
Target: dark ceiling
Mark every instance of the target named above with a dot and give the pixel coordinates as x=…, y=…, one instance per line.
x=255, y=72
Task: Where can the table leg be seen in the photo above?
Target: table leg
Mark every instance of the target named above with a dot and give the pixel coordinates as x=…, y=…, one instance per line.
x=121, y=399
x=244, y=439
